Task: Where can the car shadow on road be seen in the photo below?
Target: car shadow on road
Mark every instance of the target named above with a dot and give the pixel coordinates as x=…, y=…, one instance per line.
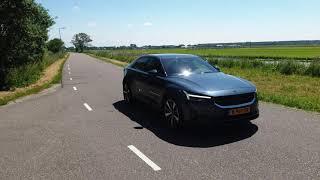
x=192, y=134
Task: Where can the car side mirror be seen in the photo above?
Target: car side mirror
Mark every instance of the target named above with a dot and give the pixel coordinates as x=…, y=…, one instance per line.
x=217, y=67
x=153, y=72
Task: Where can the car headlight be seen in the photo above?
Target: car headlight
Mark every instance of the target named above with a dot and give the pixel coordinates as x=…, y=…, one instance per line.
x=195, y=97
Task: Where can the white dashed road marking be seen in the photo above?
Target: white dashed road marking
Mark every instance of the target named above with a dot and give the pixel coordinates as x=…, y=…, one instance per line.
x=144, y=158
x=75, y=88
x=87, y=106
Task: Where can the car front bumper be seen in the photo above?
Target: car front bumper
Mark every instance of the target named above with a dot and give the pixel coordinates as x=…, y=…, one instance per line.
x=209, y=112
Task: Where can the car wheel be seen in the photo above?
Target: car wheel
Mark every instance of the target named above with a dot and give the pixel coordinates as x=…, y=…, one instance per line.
x=172, y=113
x=127, y=95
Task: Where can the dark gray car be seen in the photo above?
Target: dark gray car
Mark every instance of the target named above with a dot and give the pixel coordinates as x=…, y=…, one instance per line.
x=186, y=87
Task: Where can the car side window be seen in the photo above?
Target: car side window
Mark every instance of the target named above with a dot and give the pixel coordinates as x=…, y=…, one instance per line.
x=154, y=63
x=140, y=64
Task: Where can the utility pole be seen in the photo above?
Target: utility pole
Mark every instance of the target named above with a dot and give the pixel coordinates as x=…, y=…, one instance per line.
x=61, y=40
x=60, y=31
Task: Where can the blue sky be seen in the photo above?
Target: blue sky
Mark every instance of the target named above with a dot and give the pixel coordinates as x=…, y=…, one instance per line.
x=156, y=22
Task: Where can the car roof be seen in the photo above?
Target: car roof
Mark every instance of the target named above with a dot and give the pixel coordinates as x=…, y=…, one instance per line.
x=173, y=55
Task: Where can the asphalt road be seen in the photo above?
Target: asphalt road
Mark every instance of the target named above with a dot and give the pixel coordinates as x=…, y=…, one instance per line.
x=85, y=131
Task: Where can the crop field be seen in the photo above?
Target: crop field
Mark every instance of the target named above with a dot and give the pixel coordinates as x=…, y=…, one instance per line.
x=299, y=53
x=288, y=60
x=286, y=82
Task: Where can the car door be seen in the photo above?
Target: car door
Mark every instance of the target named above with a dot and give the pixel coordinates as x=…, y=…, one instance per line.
x=138, y=86
x=155, y=82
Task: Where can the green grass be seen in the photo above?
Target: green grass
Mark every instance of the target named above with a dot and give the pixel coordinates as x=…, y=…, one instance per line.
x=285, y=67
x=296, y=91
x=247, y=58
x=301, y=53
x=7, y=99
x=56, y=79
x=30, y=73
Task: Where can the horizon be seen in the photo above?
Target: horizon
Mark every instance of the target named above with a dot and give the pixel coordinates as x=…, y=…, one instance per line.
x=214, y=43
x=121, y=23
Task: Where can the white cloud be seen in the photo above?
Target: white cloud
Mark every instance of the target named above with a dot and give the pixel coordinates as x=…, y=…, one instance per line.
x=92, y=24
x=75, y=8
x=147, y=24
x=130, y=25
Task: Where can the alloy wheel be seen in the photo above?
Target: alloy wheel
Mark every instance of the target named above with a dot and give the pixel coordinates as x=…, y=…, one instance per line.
x=171, y=113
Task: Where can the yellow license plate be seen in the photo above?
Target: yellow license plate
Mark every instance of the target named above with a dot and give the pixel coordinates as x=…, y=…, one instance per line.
x=239, y=111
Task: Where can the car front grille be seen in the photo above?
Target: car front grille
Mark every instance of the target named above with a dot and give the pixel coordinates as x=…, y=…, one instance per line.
x=234, y=99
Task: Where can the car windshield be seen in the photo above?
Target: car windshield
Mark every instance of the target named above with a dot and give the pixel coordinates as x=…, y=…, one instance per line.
x=186, y=66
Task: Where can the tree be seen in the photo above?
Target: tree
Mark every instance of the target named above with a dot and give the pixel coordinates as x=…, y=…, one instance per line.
x=55, y=45
x=23, y=34
x=133, y=46
x=81, y=41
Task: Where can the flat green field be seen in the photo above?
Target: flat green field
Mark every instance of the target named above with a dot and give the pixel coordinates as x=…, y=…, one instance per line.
x=288, y=83
x=265, y=52
x=288, y=59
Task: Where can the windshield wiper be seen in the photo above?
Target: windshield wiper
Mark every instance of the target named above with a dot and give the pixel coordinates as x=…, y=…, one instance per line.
x=207, y=72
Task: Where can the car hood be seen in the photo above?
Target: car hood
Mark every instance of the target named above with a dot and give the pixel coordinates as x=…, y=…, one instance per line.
x=213, y=84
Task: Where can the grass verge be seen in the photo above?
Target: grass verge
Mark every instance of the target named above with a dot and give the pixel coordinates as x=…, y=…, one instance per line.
x=112, y=61
x=296, y=91
x=51, y=75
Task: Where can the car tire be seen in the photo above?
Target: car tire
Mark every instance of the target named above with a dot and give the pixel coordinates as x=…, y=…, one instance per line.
x=172, y=113
x=127, y=94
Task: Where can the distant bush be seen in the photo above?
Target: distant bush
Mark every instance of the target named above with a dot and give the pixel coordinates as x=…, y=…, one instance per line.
x=55, y=45
x=313, y=69
x=227, y=63
x=257, y=63
x=290, y=67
